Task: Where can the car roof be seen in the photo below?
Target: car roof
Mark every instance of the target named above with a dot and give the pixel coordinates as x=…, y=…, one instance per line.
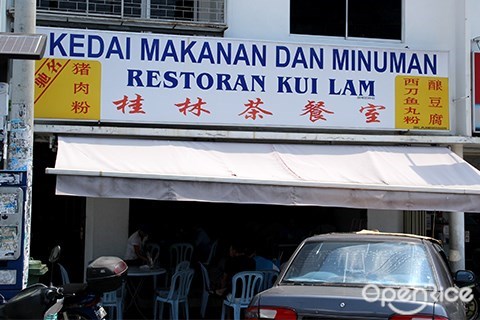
x=372, y=234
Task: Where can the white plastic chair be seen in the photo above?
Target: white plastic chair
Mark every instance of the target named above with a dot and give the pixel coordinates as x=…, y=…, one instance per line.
x=245, y=285
x=64, y=273
x=206, y=289
x=153, y=250
x=177, y=294
x=211, y=254
x=269, y=277
x=113, y=302
x=180, y=252
x=182, y=266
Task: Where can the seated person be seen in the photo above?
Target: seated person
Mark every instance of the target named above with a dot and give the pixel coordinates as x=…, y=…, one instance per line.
x=134, y=254
x=262, y=263
x=237, y=261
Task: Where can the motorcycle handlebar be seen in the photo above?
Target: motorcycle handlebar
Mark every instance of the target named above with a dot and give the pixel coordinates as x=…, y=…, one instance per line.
x=54, y=293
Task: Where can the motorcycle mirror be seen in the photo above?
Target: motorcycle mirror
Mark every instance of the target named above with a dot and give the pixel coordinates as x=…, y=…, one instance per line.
x=54, y=254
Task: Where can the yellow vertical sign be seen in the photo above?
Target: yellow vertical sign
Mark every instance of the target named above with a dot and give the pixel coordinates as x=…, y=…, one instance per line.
x=421, y=103
x=67, y=89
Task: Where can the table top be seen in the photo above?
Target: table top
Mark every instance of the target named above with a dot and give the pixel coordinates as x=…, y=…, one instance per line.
x=143, y=271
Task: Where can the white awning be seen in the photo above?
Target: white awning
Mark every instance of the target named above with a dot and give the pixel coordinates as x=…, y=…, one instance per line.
x=355, y=176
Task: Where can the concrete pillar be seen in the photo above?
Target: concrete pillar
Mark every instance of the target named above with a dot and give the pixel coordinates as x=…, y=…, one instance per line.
x=20, y=140
x=106, y=228
x=457, y=240
x=457, y=231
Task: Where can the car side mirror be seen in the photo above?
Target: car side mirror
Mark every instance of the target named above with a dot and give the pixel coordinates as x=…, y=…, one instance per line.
x=464, y=278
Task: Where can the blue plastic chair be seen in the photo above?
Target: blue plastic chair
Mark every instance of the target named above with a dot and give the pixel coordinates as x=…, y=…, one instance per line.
x=211, y=253
x=176, y=295
x=113, y=302
x=269, y=278
x=64, y=273
x=245, y=285
x=180, y=252
x=206, y=289
x=153, y=250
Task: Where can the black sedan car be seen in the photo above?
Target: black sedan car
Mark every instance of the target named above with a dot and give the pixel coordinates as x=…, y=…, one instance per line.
x=366, y=275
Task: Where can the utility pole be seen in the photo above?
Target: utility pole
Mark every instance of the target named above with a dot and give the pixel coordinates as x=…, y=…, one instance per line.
x=20, y=140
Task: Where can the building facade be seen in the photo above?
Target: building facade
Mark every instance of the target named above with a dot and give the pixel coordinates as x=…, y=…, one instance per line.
x=290, y=104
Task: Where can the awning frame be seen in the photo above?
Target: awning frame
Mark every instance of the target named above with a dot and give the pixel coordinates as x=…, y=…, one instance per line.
x=310, y=184
x=387, y=177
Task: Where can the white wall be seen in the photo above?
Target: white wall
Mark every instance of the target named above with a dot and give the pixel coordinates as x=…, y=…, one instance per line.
x=3, y=17
x=253, y=19
x=473, y=10
x=106, y=229
x=429, y=24
x=385, y=220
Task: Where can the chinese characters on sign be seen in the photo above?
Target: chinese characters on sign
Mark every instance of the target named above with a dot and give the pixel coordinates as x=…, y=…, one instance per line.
x=372, y=112
x=421, y=103
x=315, y=110
x=134, y=105
x=253, y=110
x=194, y=108
x=67, y=89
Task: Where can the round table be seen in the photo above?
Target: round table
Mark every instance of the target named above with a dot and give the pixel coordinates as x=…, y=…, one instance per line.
x=143, y=272
x=146, y=271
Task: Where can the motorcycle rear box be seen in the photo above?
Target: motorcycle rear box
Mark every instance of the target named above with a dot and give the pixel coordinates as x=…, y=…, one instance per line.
x=106, y=274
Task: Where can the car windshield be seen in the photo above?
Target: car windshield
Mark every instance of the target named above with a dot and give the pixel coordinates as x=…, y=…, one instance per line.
x=382, y=263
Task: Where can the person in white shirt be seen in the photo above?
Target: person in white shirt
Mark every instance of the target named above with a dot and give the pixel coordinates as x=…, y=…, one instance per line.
x=134, y=254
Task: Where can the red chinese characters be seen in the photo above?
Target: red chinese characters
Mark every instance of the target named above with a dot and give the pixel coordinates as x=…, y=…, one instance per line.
x=435, y=102
x=316, y=110
x=372, y=112
x=80, y=107
x=81, y=89
x=134, y=105
x=411, y=114
x=253, y=110
x=193, y=108
x=53, y=68
x=67, y=89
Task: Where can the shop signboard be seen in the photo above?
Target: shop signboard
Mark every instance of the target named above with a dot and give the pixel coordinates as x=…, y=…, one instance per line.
x=153, y=79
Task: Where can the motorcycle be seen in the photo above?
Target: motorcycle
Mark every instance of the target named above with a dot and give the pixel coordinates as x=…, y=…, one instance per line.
x=83, y=300
x=37, y=301
x=72, y=301
x=79, y=303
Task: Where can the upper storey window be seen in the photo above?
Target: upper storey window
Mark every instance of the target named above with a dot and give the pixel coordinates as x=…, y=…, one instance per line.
x=205, y=11
x=372, y=19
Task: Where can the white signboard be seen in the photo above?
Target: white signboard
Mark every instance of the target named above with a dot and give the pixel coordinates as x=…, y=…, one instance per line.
x=166, y=79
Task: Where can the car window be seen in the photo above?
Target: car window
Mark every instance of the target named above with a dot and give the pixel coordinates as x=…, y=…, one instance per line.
x=383, y=263
x=444, y=264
